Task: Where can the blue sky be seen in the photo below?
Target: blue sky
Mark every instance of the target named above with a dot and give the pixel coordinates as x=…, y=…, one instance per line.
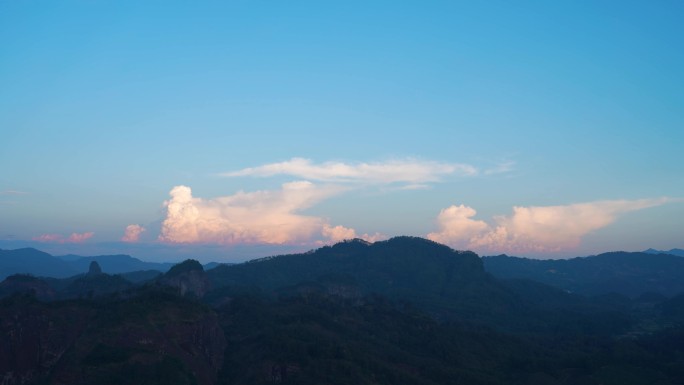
x=545, y=129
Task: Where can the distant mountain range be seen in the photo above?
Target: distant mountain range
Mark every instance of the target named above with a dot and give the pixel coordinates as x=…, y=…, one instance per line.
x=41, y=264
x=630, y=274
x=402, y=311
x=677, y=252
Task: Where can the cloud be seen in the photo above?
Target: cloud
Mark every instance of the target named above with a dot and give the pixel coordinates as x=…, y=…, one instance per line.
x=500, y=168
x=456, y=227
x=12, y=192
x=532, y=229
x=411, y=171
x=48, y=238
x=57, y=238
x=79, y=238
x=260, y=217
x=132, y=233
x=416, y=186
x=340, y=233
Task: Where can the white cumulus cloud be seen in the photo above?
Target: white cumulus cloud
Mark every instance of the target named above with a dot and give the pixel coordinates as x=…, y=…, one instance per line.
x=534, y=228
x=260, y=217
x=340, y=233
x=456, y=228
x=411, y=171
x=132, y=233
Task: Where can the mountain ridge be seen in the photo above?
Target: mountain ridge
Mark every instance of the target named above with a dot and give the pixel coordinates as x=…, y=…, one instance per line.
x=32, y=261
x=402, y=311
x=626, y=273
x=677, y=252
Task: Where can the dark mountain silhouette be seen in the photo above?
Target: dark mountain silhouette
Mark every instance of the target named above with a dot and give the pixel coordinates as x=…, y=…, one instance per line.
x=118, y=264
x=141, y=276
x=677, y=252
x=69, y=257
x=211, y=265
x=93, y=283
x=27, y=284
x=94, y=268
x=400, y=268
x=395, y=267
x=151, y=338
x=38, y=263
x=34, y=262
x=188, y=277
x=402, y=311
x=630, y=274
x=672, y=309
x=319, y=338
x=448, y=284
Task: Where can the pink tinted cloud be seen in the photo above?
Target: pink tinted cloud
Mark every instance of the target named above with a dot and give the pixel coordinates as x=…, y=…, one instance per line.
x=79, y=238
x=57, y=238
x=48, y=238
x=260, y=217
x=532, y=229
x=132, y=233
x=340, y=233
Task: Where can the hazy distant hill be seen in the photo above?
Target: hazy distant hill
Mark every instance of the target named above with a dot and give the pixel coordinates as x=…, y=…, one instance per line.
x=34, y=262
x=211, y=265
x=677, y=252
x=121, y=263
x=630, y=274
x=38, y=263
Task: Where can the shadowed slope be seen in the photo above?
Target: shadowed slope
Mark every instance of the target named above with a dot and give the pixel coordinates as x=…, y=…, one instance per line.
x=630, y=274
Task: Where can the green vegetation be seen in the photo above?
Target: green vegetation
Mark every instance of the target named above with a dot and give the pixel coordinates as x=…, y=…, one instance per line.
x=403, y=311
x=185, y=266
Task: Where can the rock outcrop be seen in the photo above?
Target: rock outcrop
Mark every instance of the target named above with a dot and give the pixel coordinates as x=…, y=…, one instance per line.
x=188, y=277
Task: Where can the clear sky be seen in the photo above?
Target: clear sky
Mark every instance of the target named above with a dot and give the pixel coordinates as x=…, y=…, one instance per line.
x=236, y=129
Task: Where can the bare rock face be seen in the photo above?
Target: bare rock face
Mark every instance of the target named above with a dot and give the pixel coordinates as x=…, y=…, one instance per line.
x=189, y=277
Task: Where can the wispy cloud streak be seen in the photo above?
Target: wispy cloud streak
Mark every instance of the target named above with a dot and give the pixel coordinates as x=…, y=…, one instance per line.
x=501, y=168
x=411, y=171
x=13, y=192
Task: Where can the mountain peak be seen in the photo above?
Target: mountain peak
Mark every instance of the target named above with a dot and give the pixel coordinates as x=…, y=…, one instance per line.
x=186, y=266
x=94, y=269
x=189, y=277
